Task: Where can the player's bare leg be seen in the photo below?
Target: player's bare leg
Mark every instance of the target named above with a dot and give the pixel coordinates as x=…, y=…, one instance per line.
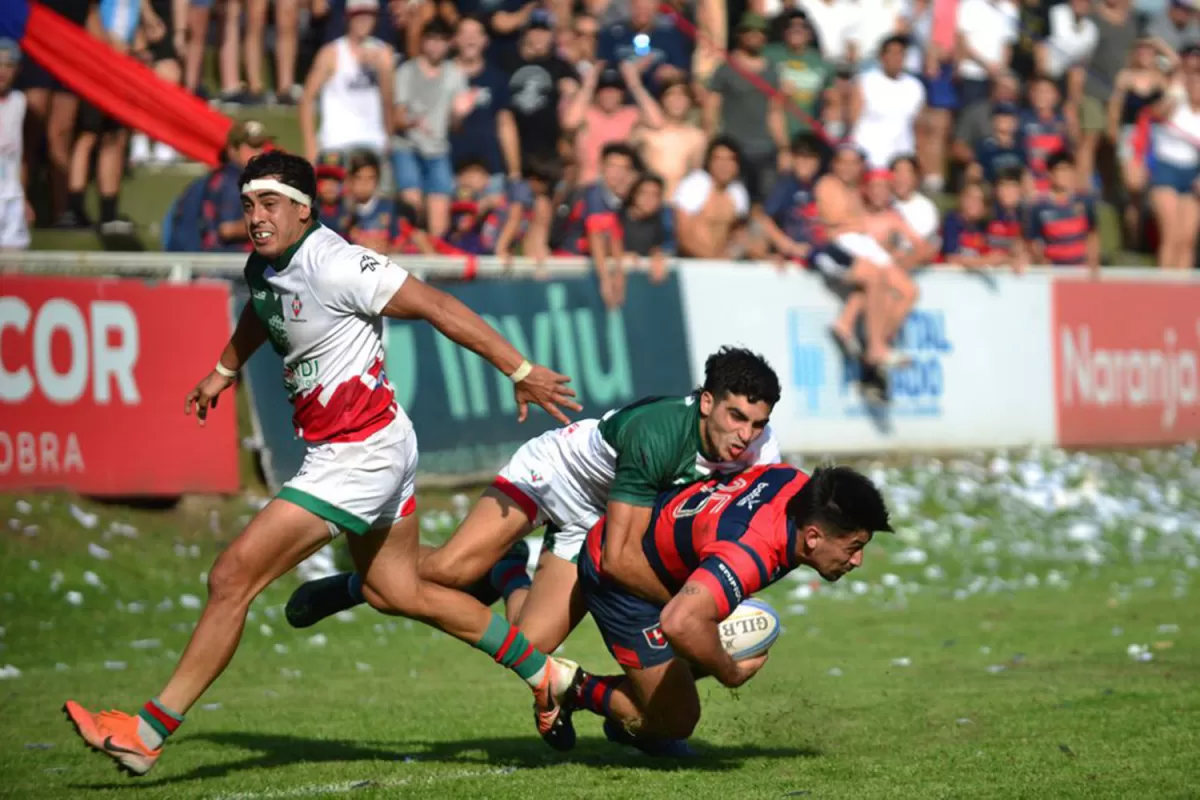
x=276, y=540
x=902, y=294
x=493, y=525
x=553, y=605
x=872, y=300
x=389, y=563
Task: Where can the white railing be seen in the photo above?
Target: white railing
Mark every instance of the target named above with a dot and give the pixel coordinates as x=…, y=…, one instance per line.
x=185, y=266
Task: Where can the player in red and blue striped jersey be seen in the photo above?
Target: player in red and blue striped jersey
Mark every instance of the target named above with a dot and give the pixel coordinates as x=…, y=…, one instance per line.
x=1006, y=227
x=711, y=545
x=1061, y=227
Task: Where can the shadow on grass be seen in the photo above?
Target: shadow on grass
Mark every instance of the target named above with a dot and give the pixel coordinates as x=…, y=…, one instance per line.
x=275, y=750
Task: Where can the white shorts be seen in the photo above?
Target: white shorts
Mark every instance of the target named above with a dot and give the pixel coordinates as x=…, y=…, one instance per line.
x=359, y=486
x=532, y=480
x=14, y=233
x=860, y=245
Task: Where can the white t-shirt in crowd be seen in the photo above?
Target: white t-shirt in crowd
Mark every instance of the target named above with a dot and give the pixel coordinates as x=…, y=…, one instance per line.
x=835, y=23
x=693, y=191
x=1176, y=138
x=1070, y=42
x=921, y=213
x=988, y=26
x=889, y=113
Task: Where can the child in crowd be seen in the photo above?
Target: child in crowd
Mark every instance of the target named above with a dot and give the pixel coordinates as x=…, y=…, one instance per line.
x=331, y=207
x=1005, y=228
x=476, y=211
x=1002, y=149
x=647, y=226
x=965, y=231
x=1061, y=226
x=1044, y=130
x=370, y=213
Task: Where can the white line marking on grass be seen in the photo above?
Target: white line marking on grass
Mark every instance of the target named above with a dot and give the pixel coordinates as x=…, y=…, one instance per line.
x=344, y=787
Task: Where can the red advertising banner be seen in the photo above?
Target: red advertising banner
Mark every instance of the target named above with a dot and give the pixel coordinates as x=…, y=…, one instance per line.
x=93, y=375
x=1126, y=361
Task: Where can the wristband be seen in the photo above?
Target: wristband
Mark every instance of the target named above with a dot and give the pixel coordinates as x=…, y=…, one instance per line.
x=521, y=372
x=224, y=371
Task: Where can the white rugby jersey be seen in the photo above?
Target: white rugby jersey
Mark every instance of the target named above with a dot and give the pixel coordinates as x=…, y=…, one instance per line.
x=12, y=128
x=321, y=302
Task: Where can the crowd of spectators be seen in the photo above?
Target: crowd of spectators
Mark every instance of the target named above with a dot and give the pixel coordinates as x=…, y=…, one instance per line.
x=632, y=130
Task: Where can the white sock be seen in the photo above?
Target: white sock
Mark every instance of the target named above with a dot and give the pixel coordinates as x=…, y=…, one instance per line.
x=150, y=737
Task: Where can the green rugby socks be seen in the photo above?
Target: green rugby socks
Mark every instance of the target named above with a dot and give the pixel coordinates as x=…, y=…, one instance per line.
x=508, y=646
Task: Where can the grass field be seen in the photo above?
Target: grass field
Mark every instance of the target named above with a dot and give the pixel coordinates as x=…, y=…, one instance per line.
x=981, y=652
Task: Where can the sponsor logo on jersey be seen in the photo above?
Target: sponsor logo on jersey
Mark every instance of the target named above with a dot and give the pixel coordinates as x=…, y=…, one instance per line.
x=752, y=497
x=367, y=262
x=302, y=377
x=654, y=637
x=297, y=306
x=731, y=579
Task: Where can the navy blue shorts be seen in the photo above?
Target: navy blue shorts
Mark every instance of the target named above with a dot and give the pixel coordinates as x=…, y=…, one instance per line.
x=831, y=261
x=628, y=623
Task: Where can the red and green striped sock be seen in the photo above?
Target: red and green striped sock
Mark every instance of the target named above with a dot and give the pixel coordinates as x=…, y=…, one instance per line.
x=508, y=646
x=595, y=693
x=156, y=722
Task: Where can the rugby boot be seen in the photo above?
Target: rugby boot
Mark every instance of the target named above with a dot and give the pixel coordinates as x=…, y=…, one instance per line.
x=652, y=746
x=552, y=706
x=115, y=734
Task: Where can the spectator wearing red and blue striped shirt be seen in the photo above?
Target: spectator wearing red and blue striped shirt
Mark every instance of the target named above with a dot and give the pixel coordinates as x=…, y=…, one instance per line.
x=1061, y=226
x=965, y=231
x=1006, y=227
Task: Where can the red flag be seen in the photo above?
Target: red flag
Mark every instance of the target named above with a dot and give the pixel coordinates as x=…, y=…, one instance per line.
x=123, y=87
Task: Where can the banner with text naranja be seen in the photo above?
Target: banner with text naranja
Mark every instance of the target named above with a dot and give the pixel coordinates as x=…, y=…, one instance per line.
x=463, y=409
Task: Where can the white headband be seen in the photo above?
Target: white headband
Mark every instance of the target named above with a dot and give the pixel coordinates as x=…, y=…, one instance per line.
x=272, y=185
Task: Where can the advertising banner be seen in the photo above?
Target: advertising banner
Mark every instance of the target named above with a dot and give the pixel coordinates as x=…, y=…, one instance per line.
x=93, y=376
x=980, y=372
x=463, y=409
x=1126, y=362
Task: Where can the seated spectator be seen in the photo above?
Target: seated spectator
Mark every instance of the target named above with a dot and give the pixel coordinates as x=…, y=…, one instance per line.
x=651, y=35
x=371, y=213
x=918, y=210
x=331, y=202
x=886, y=106
x=986, y=31
x=598, y=115
x=1006, y=225
x=1174, y=177
x=749, y=112
x=1061, y=226
x=676, y=146
x=1001, y=150
x=223, y=226
x=1177, y=26
x=647, y=226
x=478, y=211
x=488, y=132
x=431, y=95
x=804, y=75
x=351, y=79
x=711, y=204
x=592, y=226
x=1139, y=87
x=1044, y=130
x=965, y=232
x=789, y=216
x=15, y=212
x=974, y=123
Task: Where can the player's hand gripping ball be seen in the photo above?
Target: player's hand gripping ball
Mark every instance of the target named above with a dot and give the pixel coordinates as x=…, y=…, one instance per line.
x=750, y=630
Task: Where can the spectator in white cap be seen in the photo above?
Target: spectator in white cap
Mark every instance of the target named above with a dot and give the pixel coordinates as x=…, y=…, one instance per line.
x=351, y=78
x=15, y=211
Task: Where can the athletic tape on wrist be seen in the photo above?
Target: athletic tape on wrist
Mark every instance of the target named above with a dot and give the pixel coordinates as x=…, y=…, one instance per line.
x=521, y=373
x=224, y=371
x=279, y=187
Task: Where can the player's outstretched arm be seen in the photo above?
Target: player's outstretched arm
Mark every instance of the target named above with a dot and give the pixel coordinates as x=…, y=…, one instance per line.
x=247, y=337
x=533, y=383
x=690, y=624
x=622, y=559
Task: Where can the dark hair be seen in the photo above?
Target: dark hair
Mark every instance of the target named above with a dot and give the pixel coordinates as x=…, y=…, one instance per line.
x=470, y=162
x=291, y=170
x=840, y=501
x=808, y=144
x=904, y=158
x=726, y=142
x=738, y=371
x=894, y=39
x=437, y=27
x=541, y=167
x=1059, y=159
x=643, y=179
x=362, y=159
x=618, y=149
x=1010, y=175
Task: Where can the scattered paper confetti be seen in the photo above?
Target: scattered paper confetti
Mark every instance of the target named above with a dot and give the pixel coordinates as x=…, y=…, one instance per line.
x=84, y=518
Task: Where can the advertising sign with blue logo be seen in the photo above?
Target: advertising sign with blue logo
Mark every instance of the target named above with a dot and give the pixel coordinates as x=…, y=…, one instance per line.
x=978, y=365
x=463, y=409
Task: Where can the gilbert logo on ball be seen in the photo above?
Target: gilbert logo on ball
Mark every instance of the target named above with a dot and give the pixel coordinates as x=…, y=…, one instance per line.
x=750, y=630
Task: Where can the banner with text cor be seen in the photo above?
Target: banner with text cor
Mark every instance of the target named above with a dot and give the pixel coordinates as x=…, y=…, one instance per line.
x=93, y=376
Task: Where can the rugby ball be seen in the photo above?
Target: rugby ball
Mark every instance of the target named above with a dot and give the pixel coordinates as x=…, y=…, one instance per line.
x=750, y=630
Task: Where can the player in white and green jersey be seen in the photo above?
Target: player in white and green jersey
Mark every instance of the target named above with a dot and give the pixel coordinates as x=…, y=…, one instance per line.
x=320, y=302
x=566, y=479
